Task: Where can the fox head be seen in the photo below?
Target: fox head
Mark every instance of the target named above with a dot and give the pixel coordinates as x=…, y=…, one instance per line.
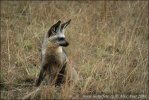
x=56, y=34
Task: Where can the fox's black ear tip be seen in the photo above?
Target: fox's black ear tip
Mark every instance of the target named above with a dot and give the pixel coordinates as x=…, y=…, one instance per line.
x=69, y=20
x=59, y=21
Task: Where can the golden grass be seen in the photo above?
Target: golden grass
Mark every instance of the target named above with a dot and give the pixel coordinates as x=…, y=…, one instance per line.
x=108, y=46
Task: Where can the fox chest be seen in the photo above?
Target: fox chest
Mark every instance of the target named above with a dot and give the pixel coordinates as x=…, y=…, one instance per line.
x=55, y=63
x=54, y=58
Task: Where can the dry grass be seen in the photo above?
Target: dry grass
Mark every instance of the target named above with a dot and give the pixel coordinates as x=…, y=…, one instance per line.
x=108, y=46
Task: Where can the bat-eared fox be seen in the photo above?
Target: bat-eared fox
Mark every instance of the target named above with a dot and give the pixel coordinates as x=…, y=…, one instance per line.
x=53, y=56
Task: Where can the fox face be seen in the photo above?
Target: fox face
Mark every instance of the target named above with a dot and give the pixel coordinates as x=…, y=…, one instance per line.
x=56, y=34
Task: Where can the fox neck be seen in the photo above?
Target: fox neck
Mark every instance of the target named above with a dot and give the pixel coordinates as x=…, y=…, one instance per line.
x=55, y=50
x=59, y=49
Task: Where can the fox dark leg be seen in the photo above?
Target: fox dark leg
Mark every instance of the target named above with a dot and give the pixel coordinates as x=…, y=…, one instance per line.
x=60, y=77
x=42, y=75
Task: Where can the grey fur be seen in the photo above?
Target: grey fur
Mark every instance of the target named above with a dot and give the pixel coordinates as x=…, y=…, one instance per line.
x=53, y=57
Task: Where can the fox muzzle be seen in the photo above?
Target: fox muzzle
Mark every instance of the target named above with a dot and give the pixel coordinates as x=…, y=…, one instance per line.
x=64, y=43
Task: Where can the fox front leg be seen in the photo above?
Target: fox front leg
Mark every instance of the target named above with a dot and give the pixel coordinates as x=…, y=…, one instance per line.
x=60, y=77
x=42, y=75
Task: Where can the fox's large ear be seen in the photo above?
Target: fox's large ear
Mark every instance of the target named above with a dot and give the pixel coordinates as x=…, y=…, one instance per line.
x=56, y=26
x=64, y=25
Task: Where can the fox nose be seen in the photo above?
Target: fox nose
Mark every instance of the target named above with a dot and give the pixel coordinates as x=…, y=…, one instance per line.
x=64, y=43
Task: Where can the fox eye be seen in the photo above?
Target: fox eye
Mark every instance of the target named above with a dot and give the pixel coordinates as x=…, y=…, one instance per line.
x=61, y=38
